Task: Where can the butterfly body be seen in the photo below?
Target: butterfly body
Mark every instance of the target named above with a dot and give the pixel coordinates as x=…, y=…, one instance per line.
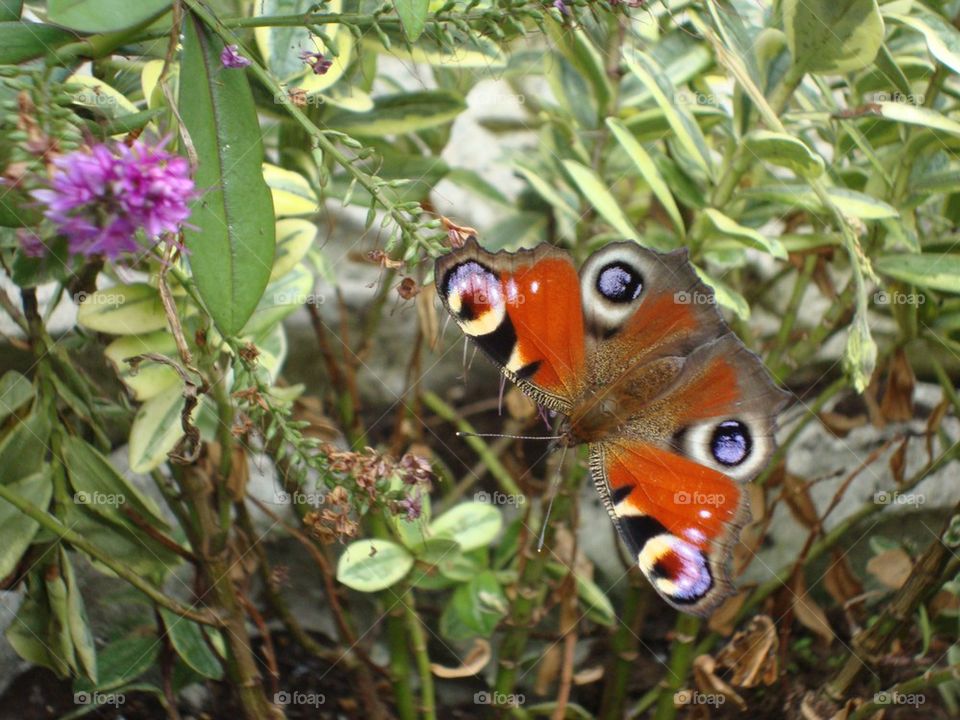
x=674, y=409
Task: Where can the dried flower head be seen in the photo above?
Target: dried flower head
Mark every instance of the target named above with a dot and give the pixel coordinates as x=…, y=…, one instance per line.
x=415, y=469
x=99, y=197
x=232, y=59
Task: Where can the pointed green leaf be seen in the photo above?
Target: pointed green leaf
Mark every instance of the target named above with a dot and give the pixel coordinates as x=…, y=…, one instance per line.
x=413, y=16
x=373, y=565
x=99, y=16
x=21, y=41
x=597, y=195
x=915, y=115
x=785, y=151
x=16, y=529
x=231, y=241
x=724, y=226
x=472, y=524
x=943, y=39
x=188, y=640
x=826, y=36
x=934, y=270
x=648, y=169
x=400, y=113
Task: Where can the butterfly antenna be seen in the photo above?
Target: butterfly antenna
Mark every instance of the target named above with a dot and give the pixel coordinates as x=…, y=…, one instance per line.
x=503, y=382
x=512, y=437
x=553, y=494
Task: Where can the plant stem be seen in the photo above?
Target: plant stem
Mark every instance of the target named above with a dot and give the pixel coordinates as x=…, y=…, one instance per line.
x=418, y=644
x=681, y=658
x=623, y=646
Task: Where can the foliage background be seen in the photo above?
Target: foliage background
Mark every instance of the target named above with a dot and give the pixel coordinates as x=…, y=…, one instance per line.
x=803, y=151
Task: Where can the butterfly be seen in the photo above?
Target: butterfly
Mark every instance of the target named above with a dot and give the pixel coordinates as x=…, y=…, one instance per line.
x=675, y=410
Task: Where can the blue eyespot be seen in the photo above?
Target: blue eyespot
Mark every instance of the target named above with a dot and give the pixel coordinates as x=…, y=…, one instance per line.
x=619, y=282
x=731, y=443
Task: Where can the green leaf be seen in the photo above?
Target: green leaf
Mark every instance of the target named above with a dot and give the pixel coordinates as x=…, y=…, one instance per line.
x=914, y=115
x=10, y=10
x=16, y=529
x=80, y=632
x=281, y=298
x=100, y=16
x=294, y=239
x=27, y=632
x=413, y=16
x=479, y=52
x=472, y=524
x=373, y=565
x=231, y=241
x=943, y=39
x=400, y=113
x=832, y=37
x=290, y=191
x=724, y=226
x=122, y=661
x=476, y=607
x=22, y=41
x=524, y=229
x=785, y=151
x=684, y=127
x=15, y=391
x=934, y=271
x=595, y=191
x=725, y=295
x=151, y=378
x=59, y=639
x=850, y=202
x=648, y=169
x=99, y=485
x=156, y=430
x=545, y=190
x=860, y=354
x=187, y=638
x=122, y=310
x=23, y=451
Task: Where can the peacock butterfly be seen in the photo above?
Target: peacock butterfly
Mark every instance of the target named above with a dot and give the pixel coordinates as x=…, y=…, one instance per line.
x=675, y=410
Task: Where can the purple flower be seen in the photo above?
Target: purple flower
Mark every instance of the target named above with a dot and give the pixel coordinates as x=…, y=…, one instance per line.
x=412, y=506
x=561, y=6
x=317, y=62
x=100, y=197
x=231, y=58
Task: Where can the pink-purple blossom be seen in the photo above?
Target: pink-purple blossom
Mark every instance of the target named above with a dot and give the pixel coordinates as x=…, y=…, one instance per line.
x=99, y=197
x=317, y=61
x=231, y=58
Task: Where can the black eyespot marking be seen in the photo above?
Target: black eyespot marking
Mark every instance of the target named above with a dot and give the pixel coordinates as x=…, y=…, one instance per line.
x=619, y=282
x=472, y=279
x=636, y=530
x=731, y=443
